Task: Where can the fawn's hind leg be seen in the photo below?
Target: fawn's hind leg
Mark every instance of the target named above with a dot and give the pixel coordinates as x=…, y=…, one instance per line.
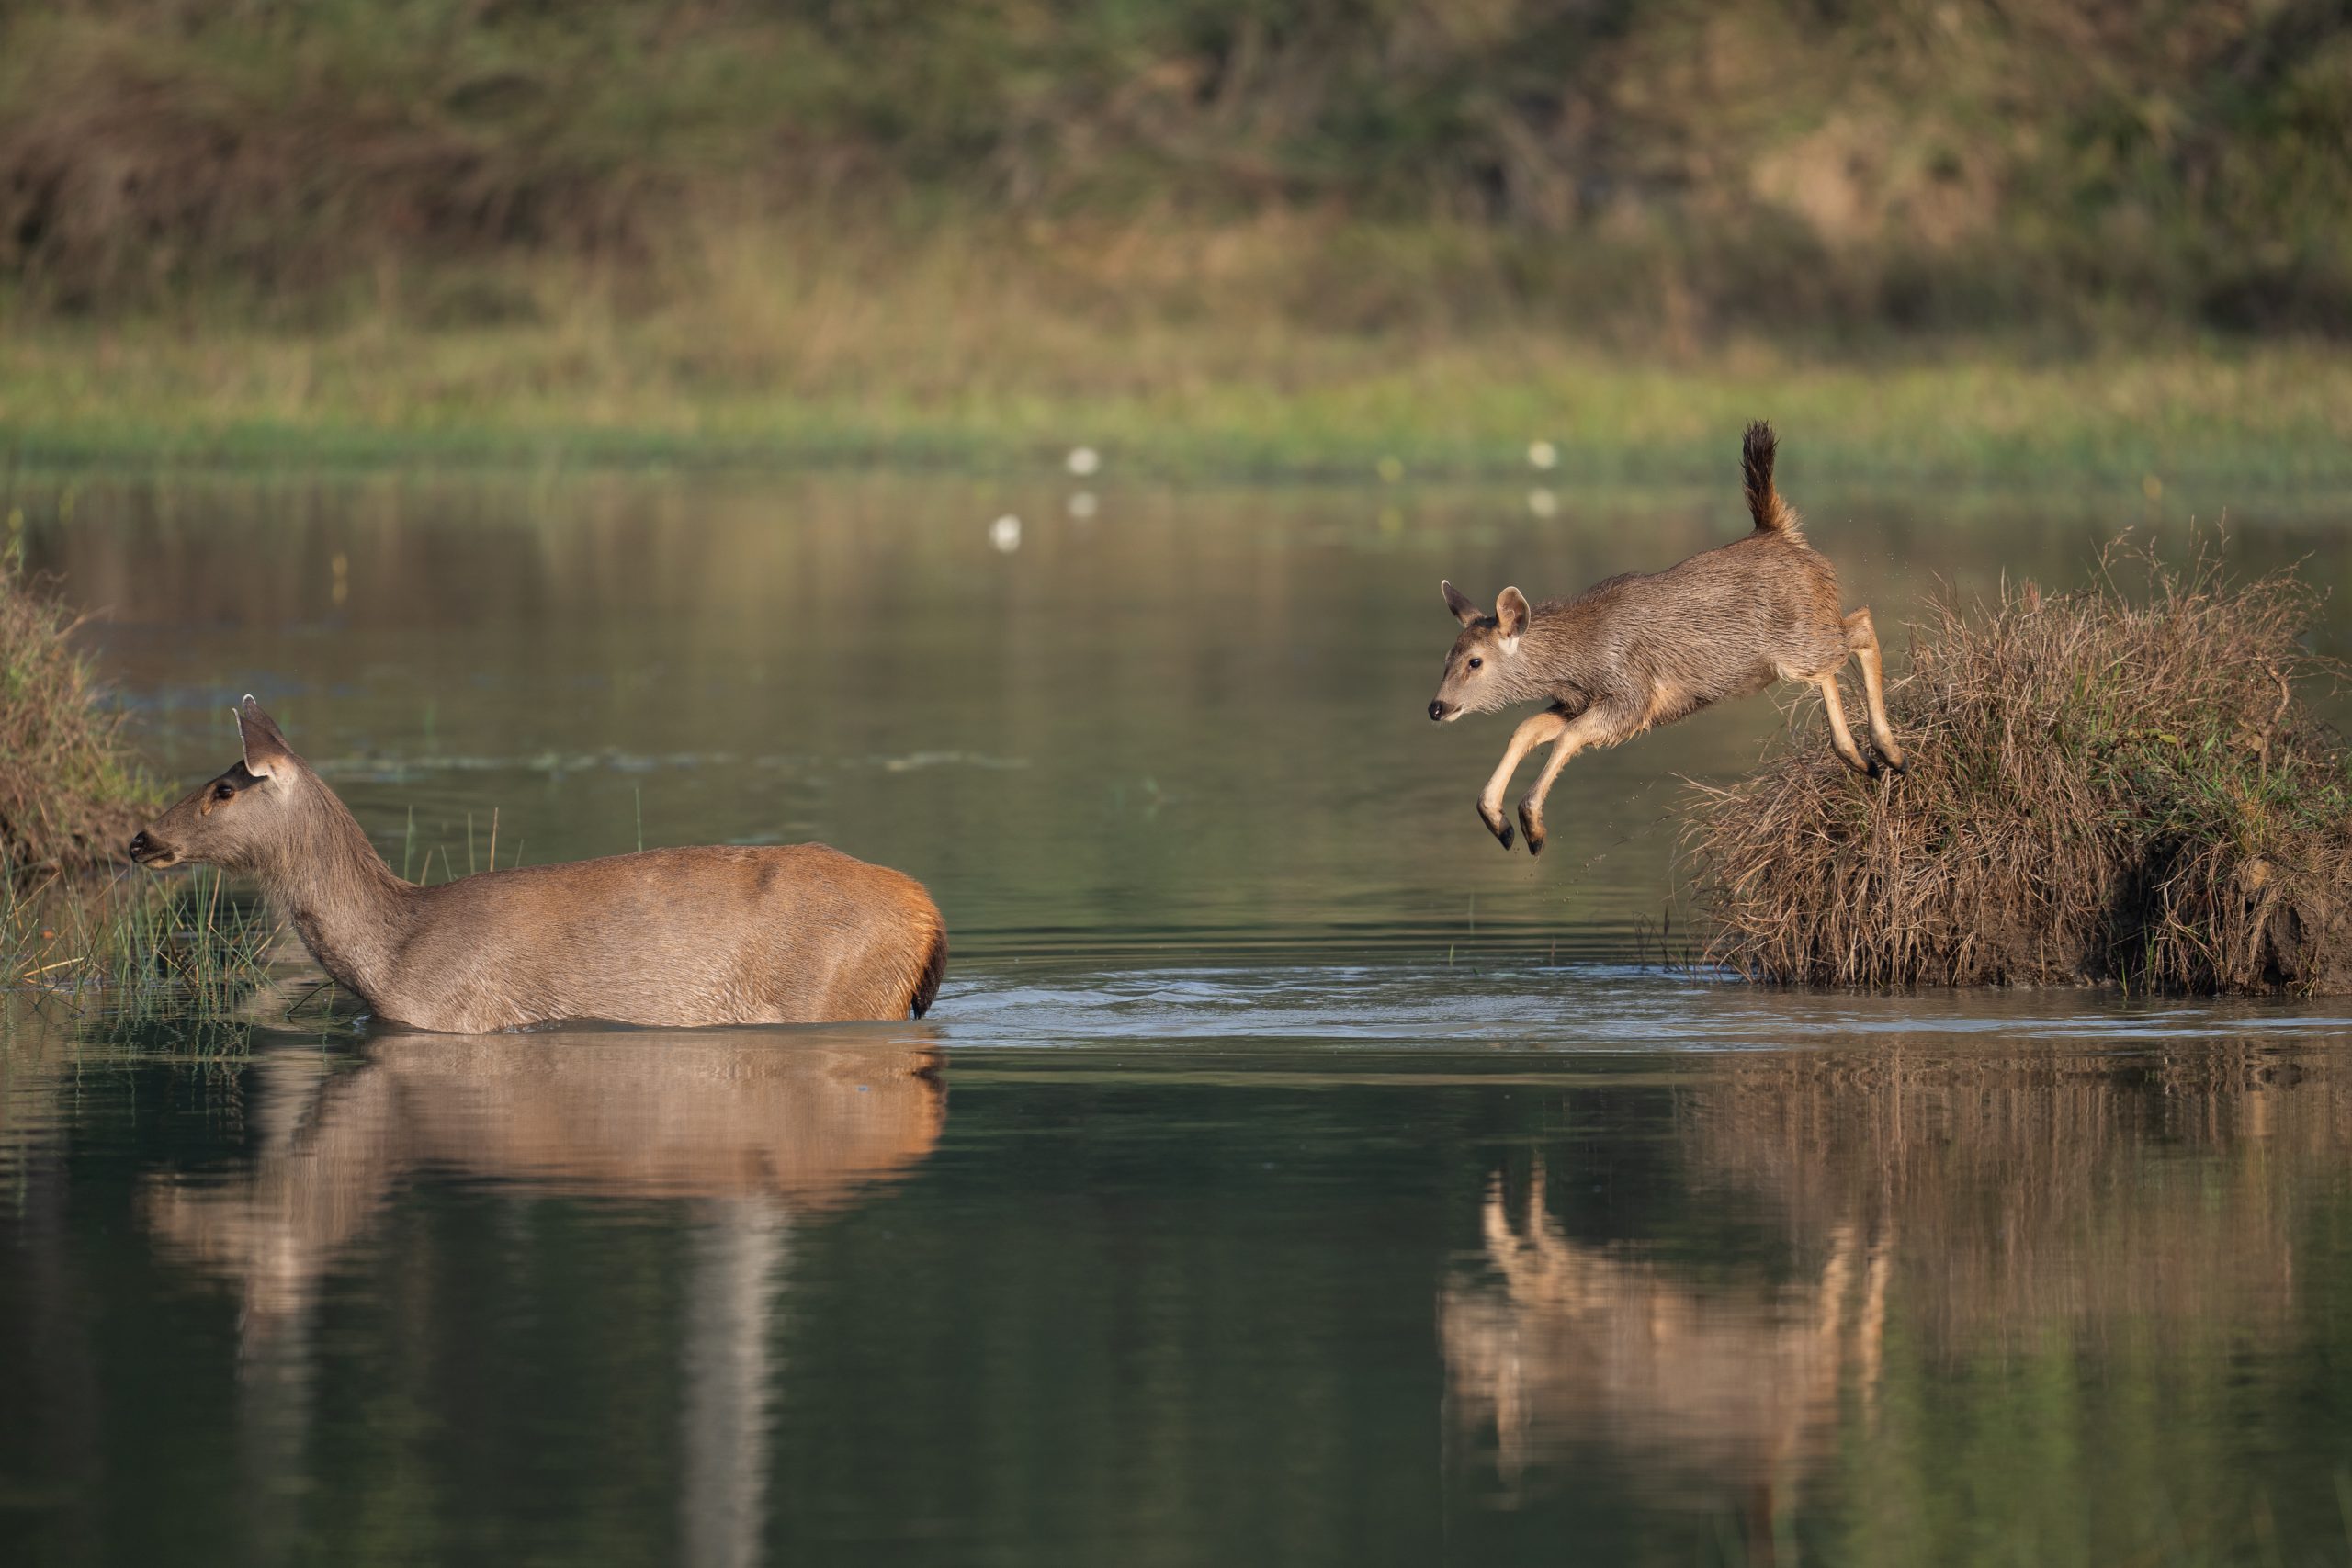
x=1841, y=738
x=1531, y=733
x=1861, y=640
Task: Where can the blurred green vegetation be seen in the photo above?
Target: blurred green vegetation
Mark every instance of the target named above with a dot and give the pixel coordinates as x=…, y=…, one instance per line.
x=1264, y=233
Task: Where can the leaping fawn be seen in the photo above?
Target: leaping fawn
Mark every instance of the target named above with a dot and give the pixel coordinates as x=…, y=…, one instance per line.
x=1646, y=648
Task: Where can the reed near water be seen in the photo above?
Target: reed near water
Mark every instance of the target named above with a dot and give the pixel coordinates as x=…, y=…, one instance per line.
x=2107, y=785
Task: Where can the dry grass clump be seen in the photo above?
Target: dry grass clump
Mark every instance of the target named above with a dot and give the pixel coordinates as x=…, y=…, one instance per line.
x=2104, y=787
x=70, y=798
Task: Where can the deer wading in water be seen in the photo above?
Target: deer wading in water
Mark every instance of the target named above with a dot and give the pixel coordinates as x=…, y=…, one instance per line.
x=1649, y=647
x=795, y=933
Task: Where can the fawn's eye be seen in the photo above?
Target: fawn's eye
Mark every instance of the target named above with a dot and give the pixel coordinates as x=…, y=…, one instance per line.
x=1477, y=662
x=224, y=792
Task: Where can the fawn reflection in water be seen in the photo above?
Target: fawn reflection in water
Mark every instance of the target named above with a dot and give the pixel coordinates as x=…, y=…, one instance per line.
x=1985, y=1204
x=752, y=1129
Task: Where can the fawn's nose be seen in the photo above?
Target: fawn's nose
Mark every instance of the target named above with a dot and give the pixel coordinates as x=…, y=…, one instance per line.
x=141, y=846
x=1436, y=711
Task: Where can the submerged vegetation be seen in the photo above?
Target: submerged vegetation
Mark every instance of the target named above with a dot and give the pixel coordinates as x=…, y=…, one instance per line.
x=2104, y=787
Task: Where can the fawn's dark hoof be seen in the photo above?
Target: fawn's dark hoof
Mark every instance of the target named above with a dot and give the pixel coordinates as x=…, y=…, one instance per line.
x=1531, y=827
x=1496, y=824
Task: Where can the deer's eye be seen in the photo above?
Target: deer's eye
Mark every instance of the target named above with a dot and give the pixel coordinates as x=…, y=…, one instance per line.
x=224, y=792
x=1477, y=662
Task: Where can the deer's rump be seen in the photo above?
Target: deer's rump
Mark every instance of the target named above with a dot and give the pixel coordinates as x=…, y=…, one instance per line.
x=686, y=937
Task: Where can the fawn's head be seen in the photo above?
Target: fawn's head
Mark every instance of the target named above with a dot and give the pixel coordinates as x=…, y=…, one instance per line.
x=244, y=818
x=1478, y=670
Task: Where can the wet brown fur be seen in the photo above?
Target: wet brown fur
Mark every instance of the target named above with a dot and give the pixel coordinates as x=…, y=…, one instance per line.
x=684, y=937
x=1646, y=648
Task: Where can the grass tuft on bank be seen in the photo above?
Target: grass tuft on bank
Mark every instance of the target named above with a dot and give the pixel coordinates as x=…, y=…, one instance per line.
x=2110, y=785
x=70, y=794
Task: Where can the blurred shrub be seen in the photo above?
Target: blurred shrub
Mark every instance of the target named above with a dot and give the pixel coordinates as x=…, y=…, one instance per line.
x=1917, y=163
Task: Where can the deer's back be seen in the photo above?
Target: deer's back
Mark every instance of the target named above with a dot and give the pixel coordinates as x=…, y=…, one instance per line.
x=1724, y=623
x=720, y=934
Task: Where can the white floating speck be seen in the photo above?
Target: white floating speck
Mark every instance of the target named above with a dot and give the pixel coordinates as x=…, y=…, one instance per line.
x=1083, y=505
x=1084, y=461
x=1005, y=534
x=1543, y=455
x=1542, y=502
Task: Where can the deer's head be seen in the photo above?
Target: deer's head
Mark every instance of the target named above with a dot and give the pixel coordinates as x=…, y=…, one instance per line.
x=1476, y=670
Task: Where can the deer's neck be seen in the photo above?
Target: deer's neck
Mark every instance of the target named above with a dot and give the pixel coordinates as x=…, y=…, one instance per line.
x=352, y=913
x=1555, y=654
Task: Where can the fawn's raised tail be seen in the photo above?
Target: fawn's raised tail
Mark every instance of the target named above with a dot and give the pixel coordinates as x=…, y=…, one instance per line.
x=1772, y=514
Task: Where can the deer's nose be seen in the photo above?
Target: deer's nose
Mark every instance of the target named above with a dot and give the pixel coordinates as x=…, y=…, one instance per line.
x=1436, y=711
x=141, y=846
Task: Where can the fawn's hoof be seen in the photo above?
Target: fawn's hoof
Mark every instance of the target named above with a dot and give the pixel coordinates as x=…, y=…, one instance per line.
x=1496, y=823
x=1896, y=764
x=1531, y=827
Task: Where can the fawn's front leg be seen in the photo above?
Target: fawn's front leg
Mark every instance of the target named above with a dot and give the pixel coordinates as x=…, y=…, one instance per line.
x=1531, y=733
x=1594, y=726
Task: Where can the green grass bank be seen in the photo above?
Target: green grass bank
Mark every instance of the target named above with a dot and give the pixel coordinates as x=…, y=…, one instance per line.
x=998, y=391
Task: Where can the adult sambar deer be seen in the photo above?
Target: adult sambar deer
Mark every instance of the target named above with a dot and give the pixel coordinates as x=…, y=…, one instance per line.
x=1649, y=647
x=786, y=934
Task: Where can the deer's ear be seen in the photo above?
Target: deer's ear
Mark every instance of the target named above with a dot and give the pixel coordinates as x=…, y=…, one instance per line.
x=266, y=749
x=1510, y=613
x=1459, y=602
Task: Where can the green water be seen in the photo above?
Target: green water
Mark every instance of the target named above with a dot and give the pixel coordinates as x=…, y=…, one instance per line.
x=1285, y=1174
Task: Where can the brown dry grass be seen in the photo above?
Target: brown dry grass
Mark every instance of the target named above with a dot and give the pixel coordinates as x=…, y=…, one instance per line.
x=2106, y=787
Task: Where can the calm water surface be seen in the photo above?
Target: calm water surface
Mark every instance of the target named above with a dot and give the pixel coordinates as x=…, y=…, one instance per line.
x=1286, y=1175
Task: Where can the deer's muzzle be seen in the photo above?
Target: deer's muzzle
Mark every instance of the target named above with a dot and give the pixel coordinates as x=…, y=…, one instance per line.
x=146, y=851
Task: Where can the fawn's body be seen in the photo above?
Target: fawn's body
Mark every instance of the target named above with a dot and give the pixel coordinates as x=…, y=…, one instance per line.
x=784, y=934
x=1646, y=648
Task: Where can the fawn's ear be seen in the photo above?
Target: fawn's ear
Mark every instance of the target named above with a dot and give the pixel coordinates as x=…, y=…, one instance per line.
x=1510, y=613
x=266, y=749
x=1459, y=602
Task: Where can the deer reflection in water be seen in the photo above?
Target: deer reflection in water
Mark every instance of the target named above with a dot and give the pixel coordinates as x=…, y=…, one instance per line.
x=1707, y=1391
x=1983, y=1202
x=751, y=1129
